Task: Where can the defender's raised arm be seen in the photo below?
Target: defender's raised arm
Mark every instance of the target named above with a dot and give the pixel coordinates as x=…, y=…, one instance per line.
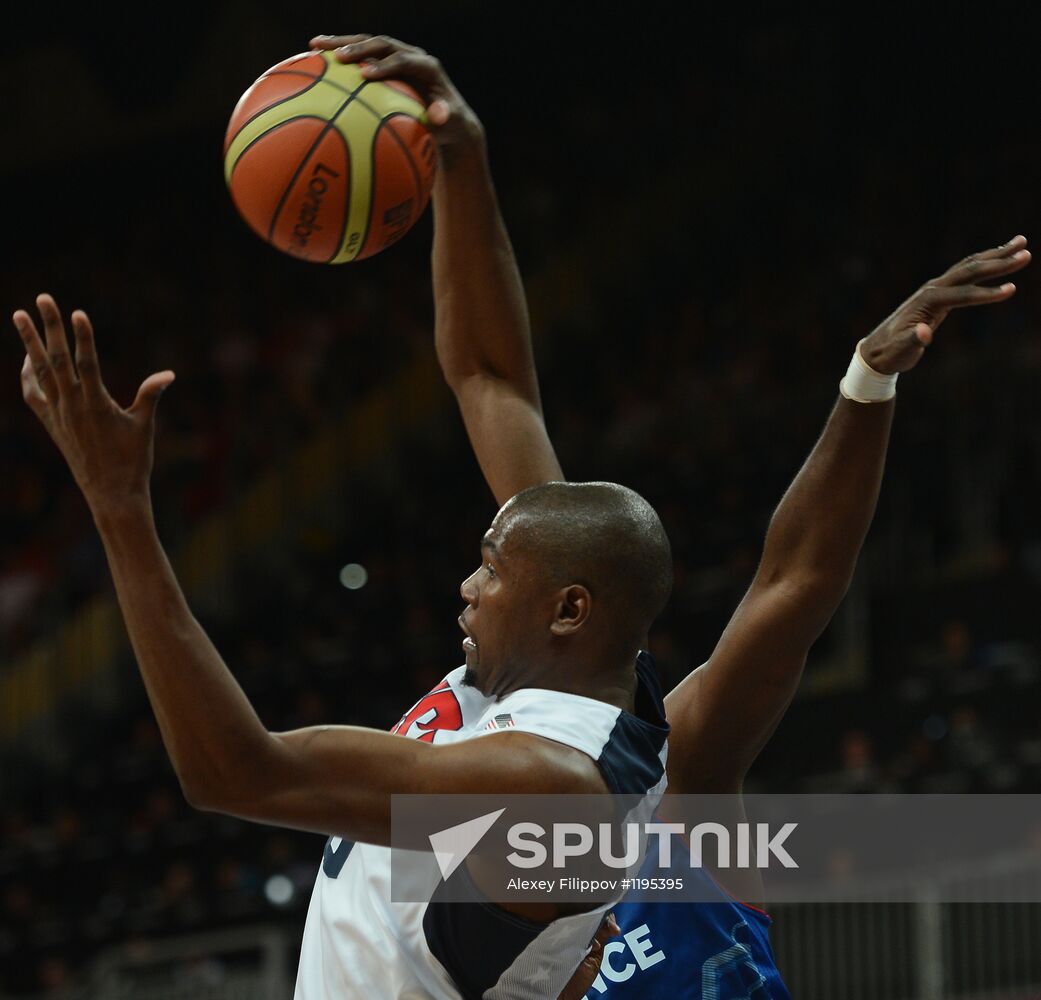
x=726, y=710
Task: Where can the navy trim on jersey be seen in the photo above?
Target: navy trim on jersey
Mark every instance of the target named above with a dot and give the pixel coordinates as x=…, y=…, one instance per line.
x=333, y=861
x=630, y=761
x=475, y=941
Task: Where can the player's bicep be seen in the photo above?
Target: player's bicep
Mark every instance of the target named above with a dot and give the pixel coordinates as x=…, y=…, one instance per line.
x=508, y=435
x=334, y=780
x=339, y=780
x=723, y=713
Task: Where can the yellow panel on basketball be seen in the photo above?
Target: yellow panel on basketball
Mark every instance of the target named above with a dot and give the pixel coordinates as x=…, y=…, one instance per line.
x=386, y=100
x=318, y=199
x=316, y=102
x=358, y=128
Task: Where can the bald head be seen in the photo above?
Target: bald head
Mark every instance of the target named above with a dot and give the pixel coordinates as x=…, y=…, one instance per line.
x=600, y=535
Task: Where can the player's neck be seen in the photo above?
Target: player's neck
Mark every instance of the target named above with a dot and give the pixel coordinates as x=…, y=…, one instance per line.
x=616, y=691
x=614, y=686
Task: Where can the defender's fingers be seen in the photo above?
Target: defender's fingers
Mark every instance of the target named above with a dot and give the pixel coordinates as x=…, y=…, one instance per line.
x=940, y=298
x=57, y=342
x=981, y=295
x=1014, y=244
x=87, y=358
x=1008, y=249
x=41, y=363
x=608, y=929
x=981, y=268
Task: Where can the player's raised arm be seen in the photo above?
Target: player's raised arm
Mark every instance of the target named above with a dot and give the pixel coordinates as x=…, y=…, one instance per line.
x=335, y=780
x=482, y=332
x=724, y=712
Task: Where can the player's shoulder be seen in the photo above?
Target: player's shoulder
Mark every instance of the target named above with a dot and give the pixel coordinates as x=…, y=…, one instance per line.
x=628, y=747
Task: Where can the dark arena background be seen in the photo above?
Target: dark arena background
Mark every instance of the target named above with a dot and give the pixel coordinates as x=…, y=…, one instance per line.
x=709, y=211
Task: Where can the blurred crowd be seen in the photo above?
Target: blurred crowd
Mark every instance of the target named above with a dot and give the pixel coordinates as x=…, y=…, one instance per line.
x=700, y=376
x=262, y=362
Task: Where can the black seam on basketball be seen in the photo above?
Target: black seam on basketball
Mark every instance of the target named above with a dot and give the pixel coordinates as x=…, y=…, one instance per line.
x=375, y=112
x=346, y=90
x=372, y=193
x=281, y=100
x=338, y=246
x=372, y=174
x=332, y=83
x=275, y=127
x=379, y=114
x=307, y=156
x=408, y=153
x=300, y=72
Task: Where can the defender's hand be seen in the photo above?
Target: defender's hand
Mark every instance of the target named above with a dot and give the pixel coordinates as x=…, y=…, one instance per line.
x=898, y=343
x=108, y=449
x=589, y=968
x=451, y=119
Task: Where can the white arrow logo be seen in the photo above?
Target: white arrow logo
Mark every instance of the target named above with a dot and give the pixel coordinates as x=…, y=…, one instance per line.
x=451, y=846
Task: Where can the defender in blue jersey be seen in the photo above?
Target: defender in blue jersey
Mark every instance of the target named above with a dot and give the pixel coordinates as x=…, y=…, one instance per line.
x=723, y=713
x=707, y=950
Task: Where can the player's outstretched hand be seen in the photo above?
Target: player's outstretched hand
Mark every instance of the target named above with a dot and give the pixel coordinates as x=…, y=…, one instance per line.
x=108, y=449
x=451, y=119
x=898, y=343
x=589, y=968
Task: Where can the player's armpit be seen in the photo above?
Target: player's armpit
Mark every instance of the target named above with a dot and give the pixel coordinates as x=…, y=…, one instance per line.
x=338, y=780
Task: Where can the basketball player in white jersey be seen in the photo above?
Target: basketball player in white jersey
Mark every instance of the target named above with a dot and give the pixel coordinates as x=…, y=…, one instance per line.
x=723, y=713
x=555, y=696
x=541, y=647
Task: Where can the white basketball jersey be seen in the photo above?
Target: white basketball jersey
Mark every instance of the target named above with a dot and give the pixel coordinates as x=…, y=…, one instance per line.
x=359, y=944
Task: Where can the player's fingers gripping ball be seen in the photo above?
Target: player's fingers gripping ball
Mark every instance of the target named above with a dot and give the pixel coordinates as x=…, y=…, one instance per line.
x=327, y=165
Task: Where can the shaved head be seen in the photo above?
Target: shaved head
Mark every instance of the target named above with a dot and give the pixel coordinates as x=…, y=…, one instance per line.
x=600, y=535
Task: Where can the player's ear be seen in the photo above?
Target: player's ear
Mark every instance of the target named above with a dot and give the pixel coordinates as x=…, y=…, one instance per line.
x=574, y=604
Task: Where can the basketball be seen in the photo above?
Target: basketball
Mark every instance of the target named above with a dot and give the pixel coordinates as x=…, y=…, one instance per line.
x=326, y=165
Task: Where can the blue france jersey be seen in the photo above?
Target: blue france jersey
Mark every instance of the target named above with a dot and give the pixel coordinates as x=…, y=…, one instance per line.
x=689, y=951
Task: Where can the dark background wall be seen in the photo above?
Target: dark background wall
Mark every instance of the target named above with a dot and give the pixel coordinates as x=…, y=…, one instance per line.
x=774, y=182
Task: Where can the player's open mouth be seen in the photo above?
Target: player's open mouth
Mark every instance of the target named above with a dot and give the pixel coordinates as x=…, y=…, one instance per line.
x=468, y=643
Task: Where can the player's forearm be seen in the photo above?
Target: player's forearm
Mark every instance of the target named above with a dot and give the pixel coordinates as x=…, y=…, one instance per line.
x=214, y=737
x=481, y=327
x=818, y=529
x=481, y=316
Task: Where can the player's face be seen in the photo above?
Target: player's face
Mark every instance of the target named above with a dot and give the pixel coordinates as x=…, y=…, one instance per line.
x=499, y=617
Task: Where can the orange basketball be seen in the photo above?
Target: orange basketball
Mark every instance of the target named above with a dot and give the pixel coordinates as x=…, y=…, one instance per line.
x=326, y=165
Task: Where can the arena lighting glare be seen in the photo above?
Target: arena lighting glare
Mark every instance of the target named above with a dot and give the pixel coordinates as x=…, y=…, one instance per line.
x=354, y=576
x=279, y=890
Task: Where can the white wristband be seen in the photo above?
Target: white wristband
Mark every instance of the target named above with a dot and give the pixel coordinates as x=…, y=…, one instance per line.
x=863, y=384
